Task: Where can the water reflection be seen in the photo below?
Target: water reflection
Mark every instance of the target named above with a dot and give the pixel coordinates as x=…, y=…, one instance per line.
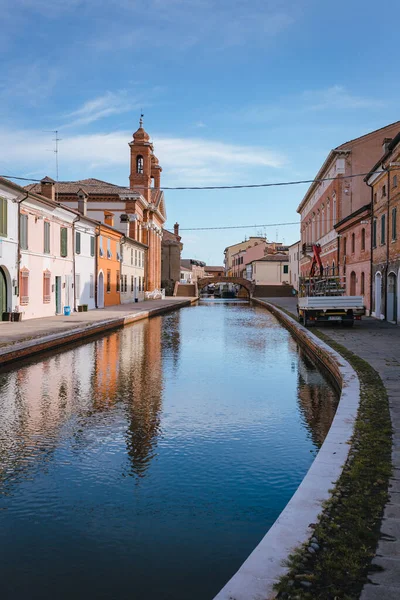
x=169, y=446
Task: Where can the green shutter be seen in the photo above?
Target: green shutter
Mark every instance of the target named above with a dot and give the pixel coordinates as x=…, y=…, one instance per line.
x=92, y=245
x=24, y=231
x=3, y=216
x=78, y=242
x=64, y=242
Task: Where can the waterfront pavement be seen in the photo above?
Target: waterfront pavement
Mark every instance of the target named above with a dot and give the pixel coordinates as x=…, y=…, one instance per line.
x=377, y=342
x=33, y=333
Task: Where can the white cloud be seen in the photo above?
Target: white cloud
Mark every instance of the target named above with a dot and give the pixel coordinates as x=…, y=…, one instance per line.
x=185, y=161
x=110, y=103
x=338, y=97
x=31, y=83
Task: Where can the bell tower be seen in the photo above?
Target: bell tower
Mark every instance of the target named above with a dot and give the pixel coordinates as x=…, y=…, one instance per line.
x=141, y=162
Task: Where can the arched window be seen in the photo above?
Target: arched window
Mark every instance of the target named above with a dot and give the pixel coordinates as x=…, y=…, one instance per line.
x=362, y=290
x=328, y=216
x=139, y=164
x=353, y=243
x=344, y=246
x=323, y=226
x=363, y=239
x=334, y=212
x=333, y=267
x=353, y=281
x=318, y=224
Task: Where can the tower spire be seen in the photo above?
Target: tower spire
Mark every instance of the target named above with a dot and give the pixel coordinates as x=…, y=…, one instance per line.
x=141, y=119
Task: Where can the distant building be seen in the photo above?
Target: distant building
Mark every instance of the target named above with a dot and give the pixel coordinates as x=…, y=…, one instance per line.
x=230, y=251
x=294, y=264
x=171, y=249
x=273, y=269
x=214, y=271
x=186, y=275
x=197, y=268
x=10, y=194
x=256, y=248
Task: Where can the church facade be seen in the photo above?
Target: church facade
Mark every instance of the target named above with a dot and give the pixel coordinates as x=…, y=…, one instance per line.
x=137, y=211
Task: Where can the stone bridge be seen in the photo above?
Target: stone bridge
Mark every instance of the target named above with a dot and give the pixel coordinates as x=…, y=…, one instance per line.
x=204, y=281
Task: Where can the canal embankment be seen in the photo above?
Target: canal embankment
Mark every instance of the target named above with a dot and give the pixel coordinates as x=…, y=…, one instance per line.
x=360, y=525
x=26, y=338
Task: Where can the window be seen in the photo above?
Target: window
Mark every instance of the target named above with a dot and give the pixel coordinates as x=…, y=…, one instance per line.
x=77, y=242
x=344, y=246
x=383, y=191
x=23, y=233
x=46, y=287
x=101, y=250
x=24, y=284
x=108, y=288
x=91, y=285
x=139, y=165
x=286, y=268
x=132, y=284
x=122, y=284
x=125, y=283
x=3, y=217
x=394, y=181
x=362, y=290
x=77, y=285
x=394, y=223
x=353, y=243
x=375, y=198
x=46, y=236
x=136, y=258
x=92, y=245
x=131, y=256
x=118, y=286
x=383, y=229
x=109, y=255
x=64, y=241
x=374, y=236
x=334, y=211
x=363, y=239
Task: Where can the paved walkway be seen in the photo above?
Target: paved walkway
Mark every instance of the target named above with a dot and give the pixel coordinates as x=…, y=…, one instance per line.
x=34, y=332
x=377, y=342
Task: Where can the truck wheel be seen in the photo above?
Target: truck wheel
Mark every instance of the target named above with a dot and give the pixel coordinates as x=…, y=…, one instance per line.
x=347, y=323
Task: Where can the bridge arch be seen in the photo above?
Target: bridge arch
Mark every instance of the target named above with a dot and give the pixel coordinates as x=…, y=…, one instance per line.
x=248, y=285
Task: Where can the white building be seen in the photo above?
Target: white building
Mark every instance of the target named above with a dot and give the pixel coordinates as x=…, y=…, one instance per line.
x=85, y=262
x=294, y=264
x=133, y=260
x=9, y=197
x=273, y=269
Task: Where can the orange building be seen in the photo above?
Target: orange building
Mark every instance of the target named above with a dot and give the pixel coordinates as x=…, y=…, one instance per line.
x=108, y=266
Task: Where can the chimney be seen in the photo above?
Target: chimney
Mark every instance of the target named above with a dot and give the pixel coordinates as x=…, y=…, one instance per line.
x=82, y=202
x=109, y=218
x=176, y=229
x=48, y=188
x=385, y=145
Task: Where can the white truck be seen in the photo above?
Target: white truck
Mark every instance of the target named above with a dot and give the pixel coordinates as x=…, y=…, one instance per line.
x=324, y=309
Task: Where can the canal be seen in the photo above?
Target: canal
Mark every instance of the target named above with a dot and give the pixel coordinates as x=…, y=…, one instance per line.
x=148, y=463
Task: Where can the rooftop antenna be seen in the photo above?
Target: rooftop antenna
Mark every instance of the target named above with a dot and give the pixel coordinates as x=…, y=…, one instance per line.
x=56, y=140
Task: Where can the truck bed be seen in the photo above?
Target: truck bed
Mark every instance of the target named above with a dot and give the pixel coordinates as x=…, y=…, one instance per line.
x=331, y=303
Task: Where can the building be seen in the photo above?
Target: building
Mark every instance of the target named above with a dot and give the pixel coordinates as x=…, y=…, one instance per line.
x=230, y=251
x=257, y=248
x=186, y=275
x=385, y=208
x=142, y=204
x=214, y=271
x=108, y=266
x=354, y=250
x=85, y=232
x=336, y=193
x=10, y=197
x=133, y=259
x=171, y=249
x=273, y=269
x=294, y=253
x=197, y=268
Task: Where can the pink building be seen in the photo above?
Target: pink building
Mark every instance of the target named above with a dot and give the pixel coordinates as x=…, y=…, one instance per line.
x=46, y=267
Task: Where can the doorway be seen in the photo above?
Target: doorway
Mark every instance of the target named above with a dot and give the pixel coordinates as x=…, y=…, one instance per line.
x=100, y=291
x=392, y=298
x=378, y=295
x=3, y=292
x=58, y=294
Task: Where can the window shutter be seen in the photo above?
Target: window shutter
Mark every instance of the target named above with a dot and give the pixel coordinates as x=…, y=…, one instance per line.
x=92, y=245
x=3, y=216
x=64, y=242
x=78, y=242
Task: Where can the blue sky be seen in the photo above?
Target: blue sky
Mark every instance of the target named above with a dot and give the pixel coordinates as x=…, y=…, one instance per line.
x=233, y=92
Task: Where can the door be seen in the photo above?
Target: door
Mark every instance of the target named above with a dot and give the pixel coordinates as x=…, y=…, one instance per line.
x=378, y=293
x=391, y=297
x=58, y=294
x=100, y=291
x=352, y=284
x=135, y=293
x=3, y=292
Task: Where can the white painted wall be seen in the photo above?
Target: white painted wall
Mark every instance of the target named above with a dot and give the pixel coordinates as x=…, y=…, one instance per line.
x=133, y=261
x=85, y=274
x=269, y=272
x=294, y=265
x=9, y=244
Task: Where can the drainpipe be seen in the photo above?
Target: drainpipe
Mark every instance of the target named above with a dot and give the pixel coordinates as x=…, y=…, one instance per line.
x=73, y=259
x=387, y=241
x=19, y=244
x=372, y=247
x=122, y=241
x=96, y=265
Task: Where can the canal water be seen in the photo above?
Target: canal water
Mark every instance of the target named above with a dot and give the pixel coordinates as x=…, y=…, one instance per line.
x=147, y=464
